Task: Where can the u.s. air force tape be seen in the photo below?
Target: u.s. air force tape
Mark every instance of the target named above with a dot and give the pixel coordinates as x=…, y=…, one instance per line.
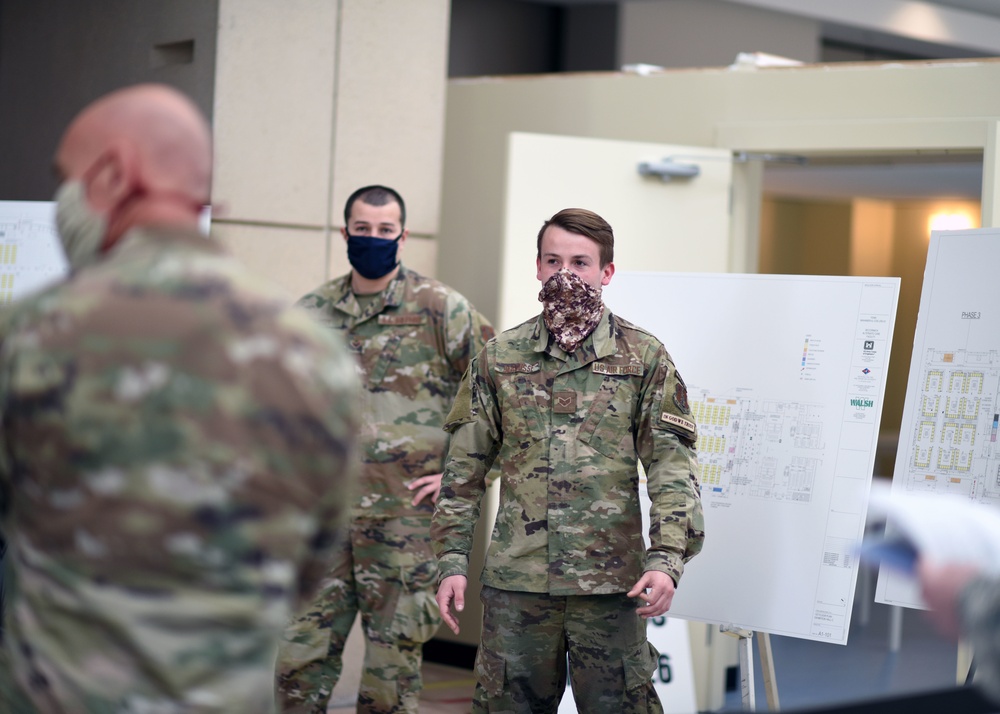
x=616, y=369
x=678, y=421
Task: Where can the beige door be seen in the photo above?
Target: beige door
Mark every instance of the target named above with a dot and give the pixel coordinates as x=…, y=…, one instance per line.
x=678, y=225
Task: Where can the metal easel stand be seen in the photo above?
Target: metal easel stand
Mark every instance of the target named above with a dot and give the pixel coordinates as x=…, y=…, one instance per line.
x=746, y=667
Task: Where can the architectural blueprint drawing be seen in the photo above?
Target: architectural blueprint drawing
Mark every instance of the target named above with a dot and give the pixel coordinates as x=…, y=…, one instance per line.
x=30, y=254
x=948, y=440
x=785, y=379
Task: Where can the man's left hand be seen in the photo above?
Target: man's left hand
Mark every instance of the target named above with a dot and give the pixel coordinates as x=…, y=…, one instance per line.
x=426, y=486
x=660, y=595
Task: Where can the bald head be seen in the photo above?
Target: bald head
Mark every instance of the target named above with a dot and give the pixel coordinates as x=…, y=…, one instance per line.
x=143, y=155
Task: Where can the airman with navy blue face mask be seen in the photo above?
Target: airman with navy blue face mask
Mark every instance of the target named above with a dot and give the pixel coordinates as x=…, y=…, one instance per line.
x=412, y=338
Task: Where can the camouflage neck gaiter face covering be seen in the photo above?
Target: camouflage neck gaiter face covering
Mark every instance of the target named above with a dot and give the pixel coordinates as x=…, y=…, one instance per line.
x=571, y=308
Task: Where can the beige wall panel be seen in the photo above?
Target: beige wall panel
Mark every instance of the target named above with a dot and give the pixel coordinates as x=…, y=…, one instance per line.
x=700, y=33
x=274, y=109
x=803, y=237
x=390, y=104
x=420, y=254
x=934, y=104
x=339, y=264
x=292, y=258
x=872, y=225
x=690, y=106
x=865, y=135
x=991, y=176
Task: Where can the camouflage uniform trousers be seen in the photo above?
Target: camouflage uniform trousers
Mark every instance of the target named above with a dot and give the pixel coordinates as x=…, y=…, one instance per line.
x=521, y=663
x=387, y=572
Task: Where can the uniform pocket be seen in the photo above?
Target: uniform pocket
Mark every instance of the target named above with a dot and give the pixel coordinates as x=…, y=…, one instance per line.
x=302, y=642
x=385, y=357
x=522, y=407
x=490, y=672
x=640, y=666
x=417, y=616
x=608, y=428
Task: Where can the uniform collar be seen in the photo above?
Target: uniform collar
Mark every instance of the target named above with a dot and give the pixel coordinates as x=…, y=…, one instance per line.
x=171, y=236
x=345, y=301
x=598, y=344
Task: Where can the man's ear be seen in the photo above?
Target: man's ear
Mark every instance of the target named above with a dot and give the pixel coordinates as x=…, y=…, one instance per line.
x=112, y=178
x=606, y=273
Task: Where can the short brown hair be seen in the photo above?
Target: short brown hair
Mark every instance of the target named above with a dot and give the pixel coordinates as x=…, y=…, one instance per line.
x=375, y=196
x=585, y=223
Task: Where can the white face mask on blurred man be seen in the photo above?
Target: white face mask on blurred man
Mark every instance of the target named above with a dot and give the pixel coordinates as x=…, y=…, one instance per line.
x=81, y=229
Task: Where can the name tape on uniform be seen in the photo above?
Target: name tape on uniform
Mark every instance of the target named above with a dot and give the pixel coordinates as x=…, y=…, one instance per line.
x=401, y=319
x=507, y=368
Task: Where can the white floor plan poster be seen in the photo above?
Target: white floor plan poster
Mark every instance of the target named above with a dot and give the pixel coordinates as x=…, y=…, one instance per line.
x=30, y=254
x=948, y=440
x=785, y=377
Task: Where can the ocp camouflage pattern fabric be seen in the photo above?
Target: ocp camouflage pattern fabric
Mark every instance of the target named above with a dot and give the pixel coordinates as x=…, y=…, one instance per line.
x=521, y=663
x=176, y=455
x=413, y=341
x=565, y=432
x=979, y=611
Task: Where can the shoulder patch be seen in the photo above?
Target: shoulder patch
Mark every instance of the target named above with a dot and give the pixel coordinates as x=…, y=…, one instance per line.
x=463, y=409
x=681, y=396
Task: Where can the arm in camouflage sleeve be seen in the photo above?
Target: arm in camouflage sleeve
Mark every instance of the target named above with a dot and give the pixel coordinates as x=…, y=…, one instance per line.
x=979, y=613
x=334, y=435
x=665, y=440
x=466, y=333
x=475, y=441
x=7, y=325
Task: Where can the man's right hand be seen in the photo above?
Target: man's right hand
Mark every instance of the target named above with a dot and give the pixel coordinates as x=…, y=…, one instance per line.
x=451, y=590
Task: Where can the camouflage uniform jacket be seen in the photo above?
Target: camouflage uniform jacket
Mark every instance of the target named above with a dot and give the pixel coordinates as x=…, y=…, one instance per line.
x=175, y=441
x=565, y=431
x=413, y=343
x=979, y=614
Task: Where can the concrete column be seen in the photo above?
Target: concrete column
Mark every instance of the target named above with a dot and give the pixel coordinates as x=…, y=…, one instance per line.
x=313, y=99
x=991, y=176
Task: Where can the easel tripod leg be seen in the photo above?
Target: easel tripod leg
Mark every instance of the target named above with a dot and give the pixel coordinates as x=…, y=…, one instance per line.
x=767, y=669
x=746, y=673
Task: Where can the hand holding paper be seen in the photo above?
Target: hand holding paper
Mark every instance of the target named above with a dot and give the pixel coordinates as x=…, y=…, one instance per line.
x=942, y=528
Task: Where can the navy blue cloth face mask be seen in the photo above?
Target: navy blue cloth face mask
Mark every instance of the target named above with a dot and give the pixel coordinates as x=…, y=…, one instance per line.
x=372, y=257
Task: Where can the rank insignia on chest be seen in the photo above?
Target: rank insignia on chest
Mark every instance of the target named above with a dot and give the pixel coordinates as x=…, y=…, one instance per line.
x=401, y=319
x=564, y=402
